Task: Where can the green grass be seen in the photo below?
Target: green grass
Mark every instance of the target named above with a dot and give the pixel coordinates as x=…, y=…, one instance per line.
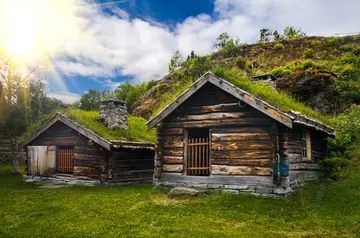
x=329, y=209
x=91, y=120
x=282, y=100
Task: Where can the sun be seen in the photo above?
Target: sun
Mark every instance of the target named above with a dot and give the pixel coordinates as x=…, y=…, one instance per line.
x=28, y=28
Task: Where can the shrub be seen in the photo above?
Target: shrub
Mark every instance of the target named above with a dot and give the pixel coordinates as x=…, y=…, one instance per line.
x=279, y=46
x=348, y=72
x=333, y=166
x=316, y=43
x=333, y=41
x=241, y=63
x=280, y=71
x=308, y=53
x=347, y=48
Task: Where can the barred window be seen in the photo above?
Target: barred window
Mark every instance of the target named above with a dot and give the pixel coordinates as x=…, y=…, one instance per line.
x=306, y=144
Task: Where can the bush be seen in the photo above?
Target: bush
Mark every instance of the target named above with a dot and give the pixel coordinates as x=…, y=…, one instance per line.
x=316, y=43
x=241, y=63
x=347, y=48
x=279, y=46
x=308, y=53
x=334, y=166
x=348, y=72
x=280, y=71
x=333, y=41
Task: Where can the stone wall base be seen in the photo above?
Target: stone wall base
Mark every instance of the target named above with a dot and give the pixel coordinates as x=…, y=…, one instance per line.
x=71, y=180
x=255, y=190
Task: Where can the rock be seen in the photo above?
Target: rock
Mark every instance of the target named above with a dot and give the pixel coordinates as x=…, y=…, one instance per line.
x=180, y=191
x=260, y=189
x=214, y=185
x=282, y=190
x=238, y=187
x=230, y=191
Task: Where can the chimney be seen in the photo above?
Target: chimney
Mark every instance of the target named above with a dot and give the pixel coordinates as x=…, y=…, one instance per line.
x=113, y=114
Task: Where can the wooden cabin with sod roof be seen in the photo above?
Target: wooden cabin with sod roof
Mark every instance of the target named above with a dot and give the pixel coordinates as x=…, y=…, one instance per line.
x=65, y=151
x=216, y=135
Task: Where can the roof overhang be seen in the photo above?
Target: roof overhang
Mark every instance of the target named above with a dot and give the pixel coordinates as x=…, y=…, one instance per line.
x=120, y=144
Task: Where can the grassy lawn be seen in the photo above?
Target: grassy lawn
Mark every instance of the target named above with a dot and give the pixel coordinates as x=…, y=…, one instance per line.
x=26, y=210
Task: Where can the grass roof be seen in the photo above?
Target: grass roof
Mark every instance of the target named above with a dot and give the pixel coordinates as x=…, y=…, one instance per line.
x=91, y=120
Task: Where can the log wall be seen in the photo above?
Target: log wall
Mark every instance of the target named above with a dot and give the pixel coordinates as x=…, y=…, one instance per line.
x=130, y=165
x=241, y=139
x=301, y=169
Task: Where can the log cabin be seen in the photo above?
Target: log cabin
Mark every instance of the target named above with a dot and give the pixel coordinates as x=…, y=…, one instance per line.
x=216, y=135
x=64, y=149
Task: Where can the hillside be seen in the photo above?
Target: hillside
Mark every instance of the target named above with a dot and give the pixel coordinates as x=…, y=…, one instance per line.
x=321, y=72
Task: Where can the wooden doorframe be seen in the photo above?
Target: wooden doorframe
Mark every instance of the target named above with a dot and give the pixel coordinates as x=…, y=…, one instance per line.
x=186, y=150
x=58, y=148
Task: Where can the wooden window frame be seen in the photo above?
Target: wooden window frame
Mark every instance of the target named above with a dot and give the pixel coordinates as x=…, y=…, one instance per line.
x=306, y=144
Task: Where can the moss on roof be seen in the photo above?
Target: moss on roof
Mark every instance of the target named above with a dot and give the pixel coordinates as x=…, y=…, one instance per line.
x=91, y=120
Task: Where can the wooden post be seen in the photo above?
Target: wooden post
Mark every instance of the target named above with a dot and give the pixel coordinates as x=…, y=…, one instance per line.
x=186, y=139
x=158, y=152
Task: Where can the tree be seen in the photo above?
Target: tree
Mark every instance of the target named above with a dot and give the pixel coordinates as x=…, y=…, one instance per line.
x=175, y=61
x=277, y=36
x=265, y=35
x=225, y=43
x=222, y=40
x=91, y=100
x=291, y=33
x=15, y=104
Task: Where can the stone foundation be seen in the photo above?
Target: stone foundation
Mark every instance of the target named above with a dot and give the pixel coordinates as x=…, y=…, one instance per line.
x=70, y=180
x=256, y=190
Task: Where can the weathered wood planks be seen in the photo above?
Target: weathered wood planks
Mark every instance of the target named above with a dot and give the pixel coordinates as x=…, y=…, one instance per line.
x=240, y=170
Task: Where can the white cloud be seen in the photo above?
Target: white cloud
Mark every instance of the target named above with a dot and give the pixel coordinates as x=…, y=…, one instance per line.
x=113, y=45
x=65, y=97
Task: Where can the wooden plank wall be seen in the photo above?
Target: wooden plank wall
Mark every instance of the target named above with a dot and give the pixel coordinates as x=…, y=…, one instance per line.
x=241, y=142
x=301, y=169
x=242, y=151
x=132, y=165
x=90, y=159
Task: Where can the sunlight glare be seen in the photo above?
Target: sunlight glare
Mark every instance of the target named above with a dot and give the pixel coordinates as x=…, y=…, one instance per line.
x=31, y=27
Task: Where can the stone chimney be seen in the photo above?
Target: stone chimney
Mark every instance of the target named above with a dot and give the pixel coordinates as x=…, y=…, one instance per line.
x=113, y=114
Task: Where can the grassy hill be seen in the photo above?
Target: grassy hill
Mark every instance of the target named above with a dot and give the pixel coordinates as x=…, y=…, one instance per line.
x=328, y=209
x=322, y=72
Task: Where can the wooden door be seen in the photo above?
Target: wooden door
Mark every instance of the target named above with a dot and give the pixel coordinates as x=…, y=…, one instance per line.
x=198, y=156
x=65, y=160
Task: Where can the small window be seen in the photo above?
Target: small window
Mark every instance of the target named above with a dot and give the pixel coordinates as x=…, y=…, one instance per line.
x=306, y=144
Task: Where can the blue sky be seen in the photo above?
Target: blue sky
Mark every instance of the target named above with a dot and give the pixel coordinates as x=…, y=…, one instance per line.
x=133, y=40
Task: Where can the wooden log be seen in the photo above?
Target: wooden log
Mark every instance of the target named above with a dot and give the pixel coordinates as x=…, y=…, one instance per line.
x=173, y=168
x=292, y=150
x=224, y=122
x=174, y=144
x=173, y=151
x=173, y=131
x=241, y=136
x=239, y=130
x=212, y=116
x=305, y=166
x=173, y=160
x=87, y=150
x=242, y=145
x=88, y=157
x=255, y=162
x=225, y=107
x=242, y=155
x=87, y=171
x=86, y=163
x=240, y=170
x=305, y=176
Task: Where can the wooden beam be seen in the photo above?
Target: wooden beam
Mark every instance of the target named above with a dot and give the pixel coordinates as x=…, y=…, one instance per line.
x=173, y=160
x=242, y=145
x=173, y=168
x=224, y=122
x=213, y=116
x=254, y=154
x=240, y=170
x=248, y=162
x=217, y=137
x=225, y=107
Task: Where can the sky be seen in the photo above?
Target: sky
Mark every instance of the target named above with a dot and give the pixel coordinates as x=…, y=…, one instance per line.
x=133, y=40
